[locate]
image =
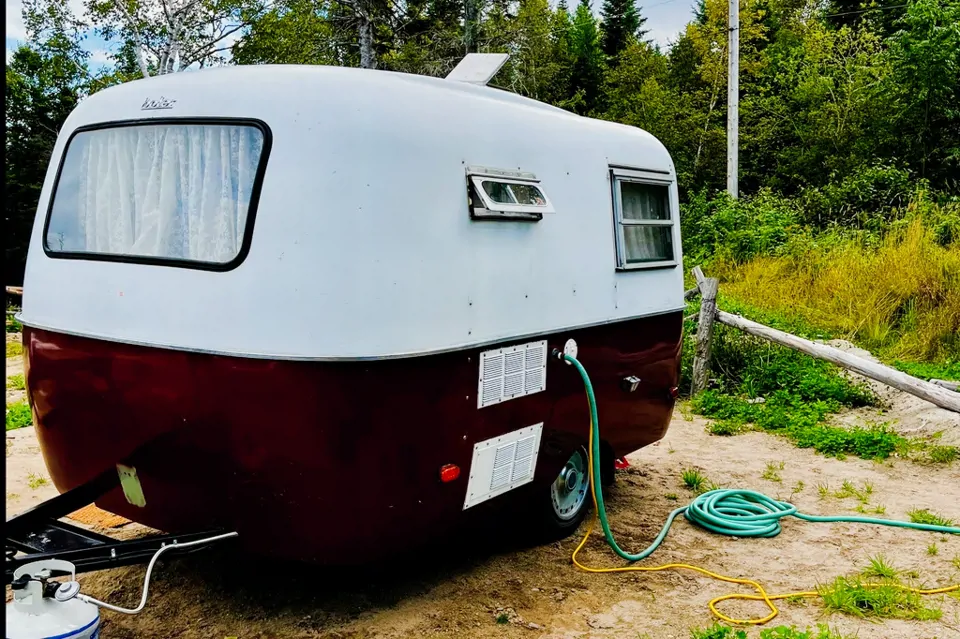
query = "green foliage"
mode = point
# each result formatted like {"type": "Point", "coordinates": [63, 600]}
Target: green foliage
{"type": "Point", "coordinates": [924, 516]}
{"type": "Point", "coordinates": [19, 415]}
{"type": "Point", "coordinates": [16, 382]}
{"type": "Point", "coordinates": [588, 61]}
{"type": "Point", "coordinates": [930, 370]}
{"type": "Point", "coordinates": [44, 83]}
{"type": "Point", "coordinates": [784, 632]}
{"type": "Point", "coordinates": [738, 229]}
{"type": "Point", "coordinates": [717, 631]}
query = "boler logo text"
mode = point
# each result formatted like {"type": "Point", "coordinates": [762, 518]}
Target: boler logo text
{"type": "Point", "coordinates": [157, 104]}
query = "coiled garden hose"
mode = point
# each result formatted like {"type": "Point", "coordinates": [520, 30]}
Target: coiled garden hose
{"type": "Point", "coordinates": [740, 513]}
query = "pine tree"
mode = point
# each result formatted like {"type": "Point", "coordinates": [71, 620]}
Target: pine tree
{"type": "Point", "coordinates": [621, 25]}
{"type": "Point", "coordinates": [588, 59]}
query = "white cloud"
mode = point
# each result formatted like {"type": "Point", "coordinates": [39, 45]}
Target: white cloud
{"type": "Point", "coordinates": [100, 56]}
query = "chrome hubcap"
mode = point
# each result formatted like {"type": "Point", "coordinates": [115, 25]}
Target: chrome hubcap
{"type": "Point", "coordinates": [569, 491]}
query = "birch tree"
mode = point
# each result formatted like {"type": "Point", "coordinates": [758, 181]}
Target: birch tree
{"type": "Point", "coordinates": [166, 36]}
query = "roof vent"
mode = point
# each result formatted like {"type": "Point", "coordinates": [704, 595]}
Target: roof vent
{"type": "Point", "coordinates": [478, 68]}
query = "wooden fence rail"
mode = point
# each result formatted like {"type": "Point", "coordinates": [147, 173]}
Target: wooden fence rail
{"type": "Point", "coordinates": [939, 393]}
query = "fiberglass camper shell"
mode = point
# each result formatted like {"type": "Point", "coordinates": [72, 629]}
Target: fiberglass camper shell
{"type": "Point", "coordinates": [277, 293]}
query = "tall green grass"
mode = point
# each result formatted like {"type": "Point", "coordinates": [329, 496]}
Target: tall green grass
{"type": "Point", "coordinates": [898, 295]}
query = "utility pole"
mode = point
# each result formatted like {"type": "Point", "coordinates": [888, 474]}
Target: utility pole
{"type": "Point", "coordinates": [733, 97]}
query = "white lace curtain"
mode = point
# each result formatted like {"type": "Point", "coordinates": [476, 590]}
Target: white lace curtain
{"type": "Point", "coordinates": [173, 191]}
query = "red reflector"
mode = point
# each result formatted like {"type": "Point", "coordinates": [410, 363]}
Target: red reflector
{"type": "Point", "coordinates": [621, 463]}
{"type": "Point", "coordinates": [449, 472]}
{"type": "Point", "coordinates": [675, 392]}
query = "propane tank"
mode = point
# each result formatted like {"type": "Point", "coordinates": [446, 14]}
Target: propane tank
{"type": "Point", "coordinates": [43, 609]}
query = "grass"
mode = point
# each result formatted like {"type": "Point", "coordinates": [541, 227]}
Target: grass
{"type": "Point", "coordinates": [14, 349]}
{"type": "Point", "coordinates": [694, 480]}
{"type": "Point", "coordinates": [35, 481]}
{"type": "Point", "coordinates": [780, 632]}
{"type": "Point", "coordinates": [19, 415]}
{"type": "Point", "coordinates": [924, 516]}
{"type": "Point", "coordinates": [16, 382]}
{"type": "Point", "coordinates": [879, 568]}
{"type": "Point", "coordinates": [848, 489]}
{"type": "Point", "coordinates": [798, 487]}
{"type": "Point", "coordinates": [772, 472]}
{"type": "Point", "coordinates": [930, 370]}
{"type": "Point", "coordinates": [956, 562]}
{"type": "Point", "coordinates": [932, 549]}
{"type": "Point", "coordinates": [672, 496]}
{"type": "Point", "coordinates": [898, 295]}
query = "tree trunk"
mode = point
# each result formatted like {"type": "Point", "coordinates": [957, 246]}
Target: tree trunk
{"type": "Point", "coordinates": [368, 59]}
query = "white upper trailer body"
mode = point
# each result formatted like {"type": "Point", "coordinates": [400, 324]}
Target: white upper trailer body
{"type": "Point", "coordinates": [345, 214]}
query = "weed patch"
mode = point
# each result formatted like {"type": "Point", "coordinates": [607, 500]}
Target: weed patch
{"type": "Point", "coordinates": [19, 415]}
{"type": "Point", "coordinates": [772, 472]}
{"type": "Point", "coordinates": [724, 428]}
{"type": "Point", "coordinates": [694, 480]}
{"type": "Point", "coordinates": [16, 382]}
{"type": "Point", "coordinates": [780, 632]}
{"type": "Point", "coordinates": [35, 481]}
{"type": "Point", "coordinates": [924, 516]}
{"type": "Point", "coordinates": [864, 598]}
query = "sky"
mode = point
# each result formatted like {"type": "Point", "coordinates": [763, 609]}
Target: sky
{"type": "Point", "coordinates": [665, 20]}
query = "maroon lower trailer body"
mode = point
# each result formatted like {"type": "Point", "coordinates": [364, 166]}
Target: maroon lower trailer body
{"type": "Point", "coordinates": [337, 460]}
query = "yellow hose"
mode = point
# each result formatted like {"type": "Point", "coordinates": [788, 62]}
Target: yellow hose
{"type": "Point", "coordinates": [761, 595]}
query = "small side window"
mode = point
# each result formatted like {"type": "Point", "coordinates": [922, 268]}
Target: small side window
{"type": "Point", "coordinates": [644, 223]}
{"type": "Point", "coordinates": [505, 195]}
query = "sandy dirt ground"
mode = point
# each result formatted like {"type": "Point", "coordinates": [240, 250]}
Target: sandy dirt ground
{"type": "Point", "coordinates": [536, 590]}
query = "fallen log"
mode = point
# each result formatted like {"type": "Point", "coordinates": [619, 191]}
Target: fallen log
{"type": "Point", "coordinates": [901, 381]}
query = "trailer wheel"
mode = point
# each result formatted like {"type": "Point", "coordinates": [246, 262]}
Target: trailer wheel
{"type": "Point", "coordinates": [569, 495]}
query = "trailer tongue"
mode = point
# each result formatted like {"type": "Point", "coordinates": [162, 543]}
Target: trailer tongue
{"type": "Point", "coordinates": [40, 534]}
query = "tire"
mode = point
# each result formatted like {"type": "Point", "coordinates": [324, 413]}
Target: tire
{"type": "Point", "coordinates": [567, 498]}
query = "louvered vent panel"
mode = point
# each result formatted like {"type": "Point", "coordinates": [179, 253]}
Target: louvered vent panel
{"type": "Point", "coordinates": [512, 372]}
{"type": "Point", "coordinates": [503, 463]}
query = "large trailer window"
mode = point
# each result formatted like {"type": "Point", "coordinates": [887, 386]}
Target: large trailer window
{"type": "Point", "coordinates": [169, 192]}
{"type": "Point", "coordinates": [644, 223]}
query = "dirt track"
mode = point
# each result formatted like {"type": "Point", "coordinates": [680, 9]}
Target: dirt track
{"type": "Point", "coordinates": [537, 591]}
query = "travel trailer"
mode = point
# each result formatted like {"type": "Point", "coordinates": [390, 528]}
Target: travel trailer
{"type": "Point", "coordinates": [266, 297]}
